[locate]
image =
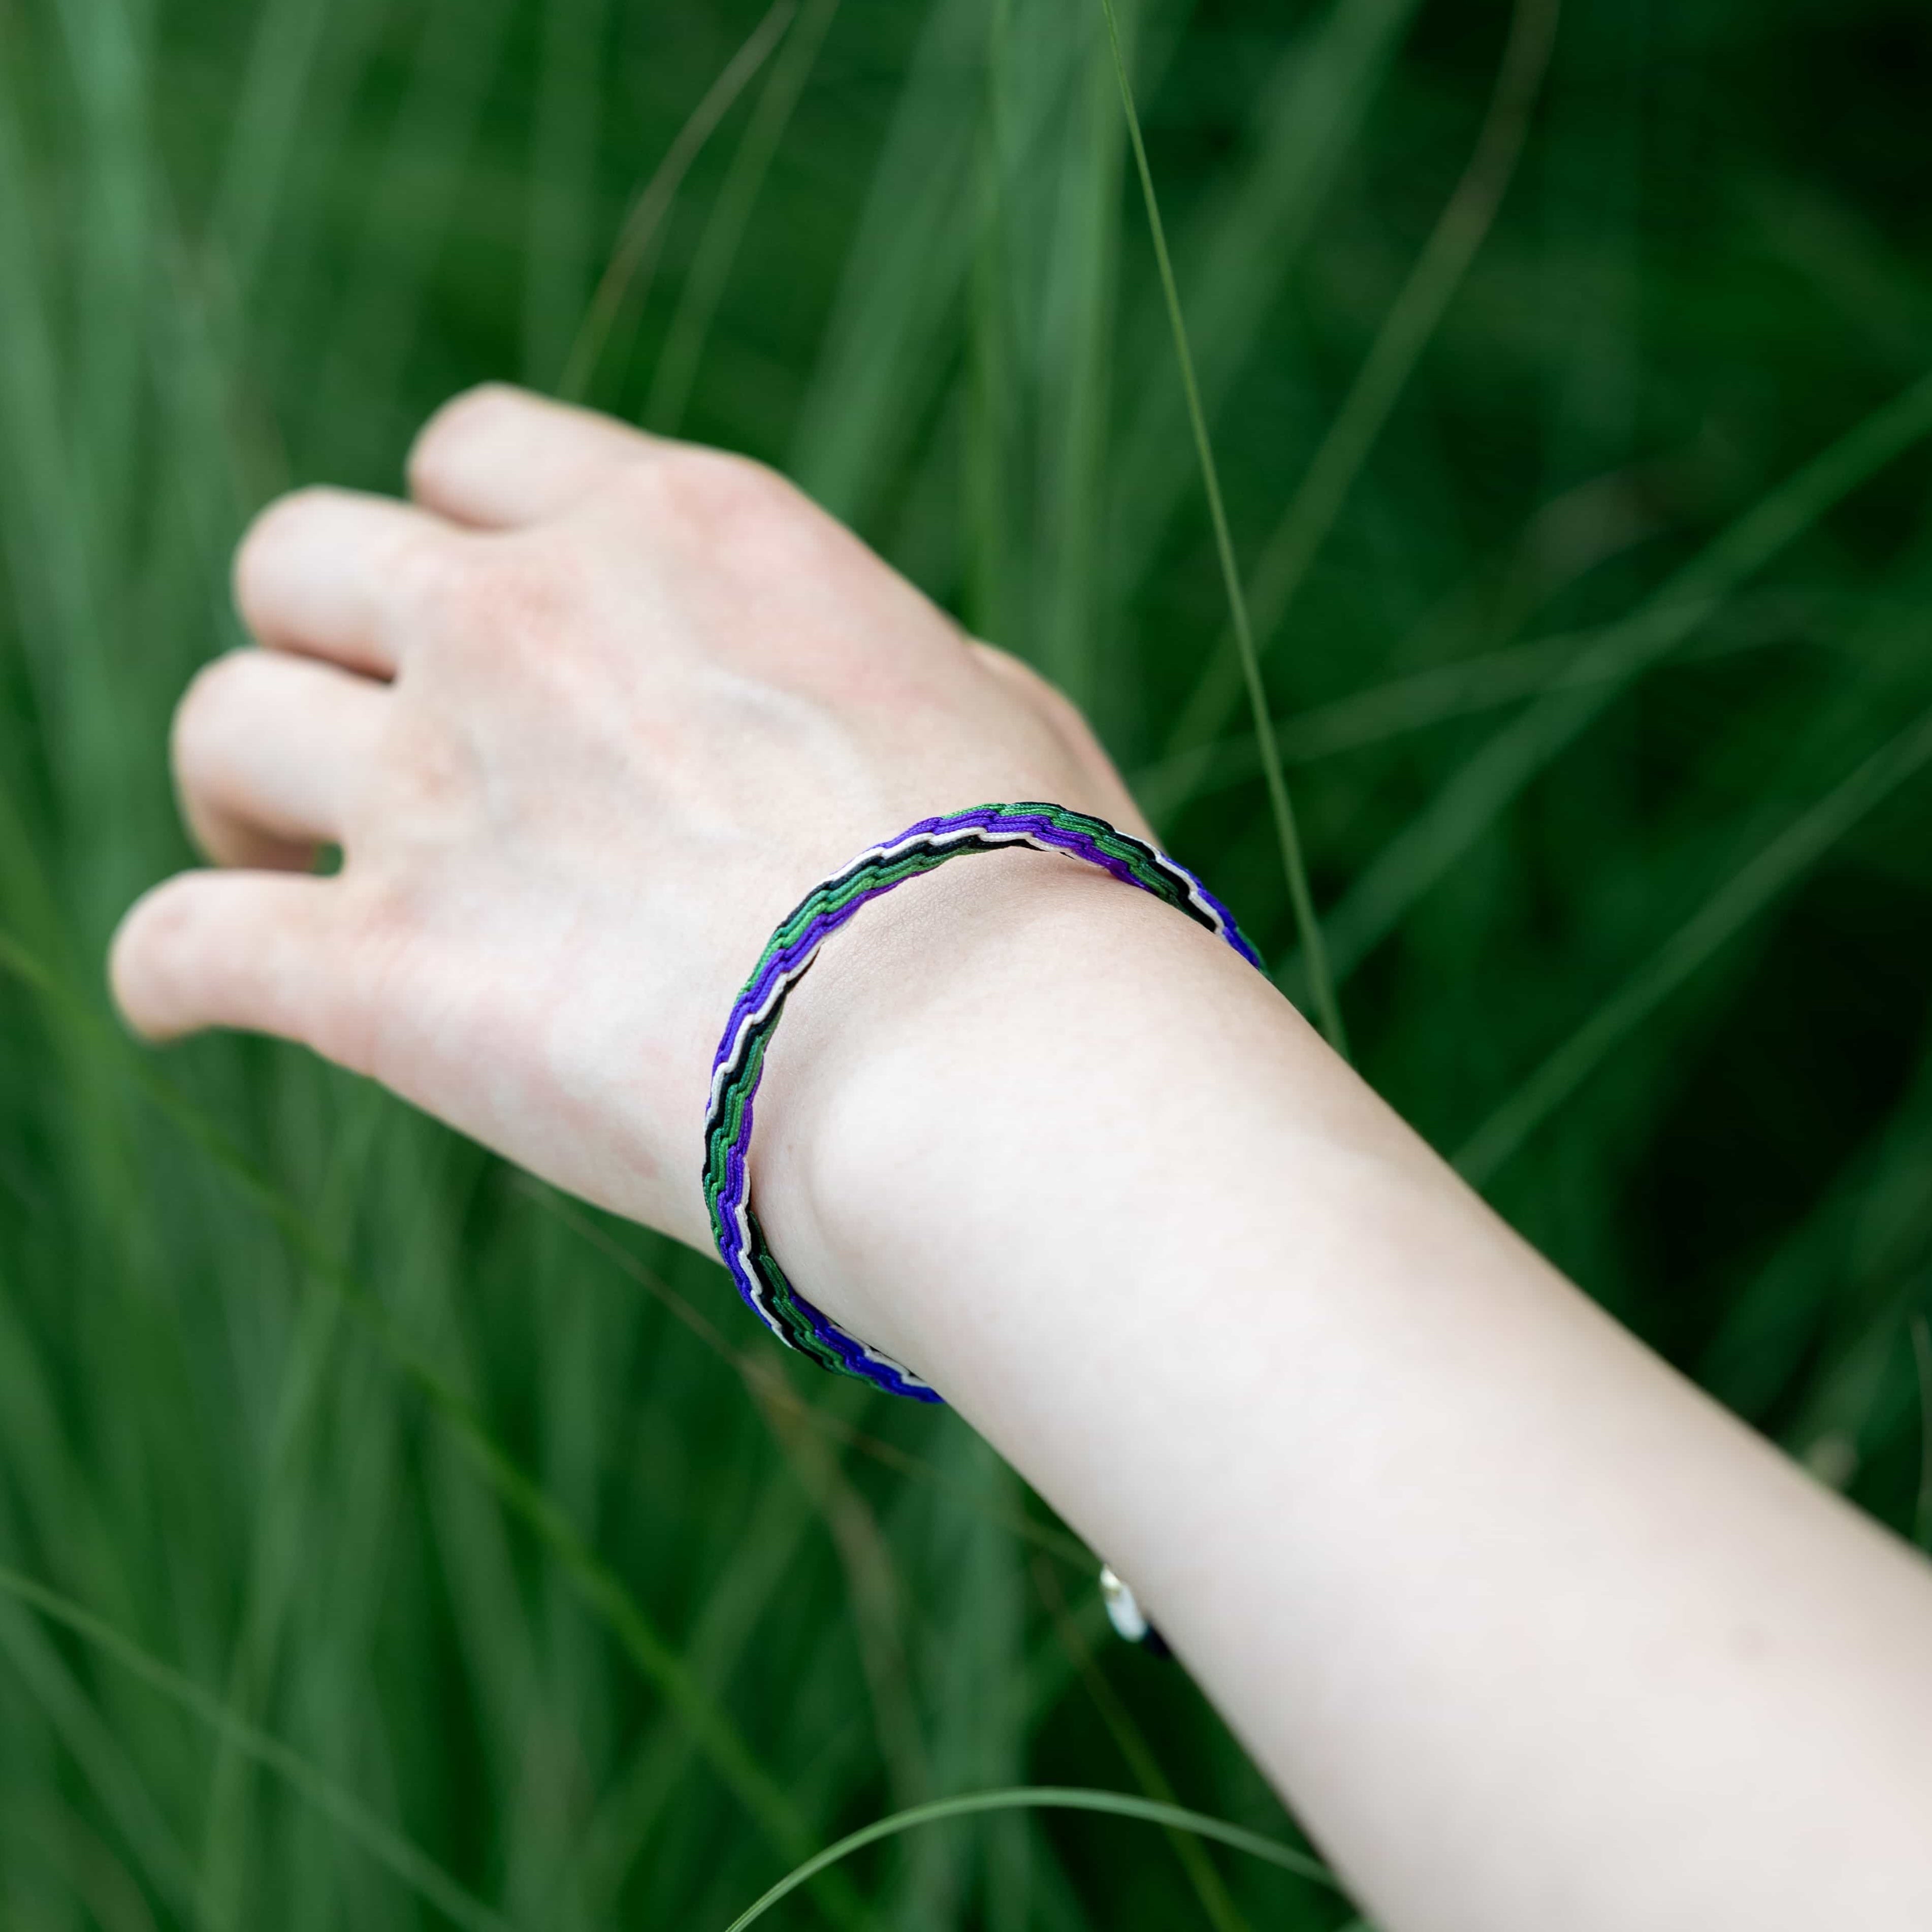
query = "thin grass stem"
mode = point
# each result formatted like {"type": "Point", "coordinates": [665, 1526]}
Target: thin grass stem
{"type": "Point", "coordinates": [1320, 985]}
{"type": "Point", "coordinates": [1406, 331]}
{"type": "Point", "coordinates": [387, 1847]}
{"type": "Point", "coordinates": [1216, 1903]}
{"type": "Point", "coordinates": [724, 229]}
{"type": "Point", "coordinates": [1042, 1798]}
{"type": "Point", "coordinates": [100, 1753]}
{"type": "Point", "coordinates": [1741, 899]}
{"type": "Point", "coordinates": [1478, 792]}
{"type": "Point", "coordinates": [627, 276]}
{"type": "Point", "coordinates": [1382, 713]}
{"type": "Point", "coordinates": [599, 1586]}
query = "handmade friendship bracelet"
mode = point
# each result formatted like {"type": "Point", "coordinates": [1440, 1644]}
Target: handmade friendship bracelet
{"type": "Point", "coordinates": [754, 1018]}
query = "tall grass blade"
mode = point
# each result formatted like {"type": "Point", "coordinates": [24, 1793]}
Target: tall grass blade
{"type": "Point", "coordinates": [294, 115]}
{"type": "Point", "coordinates": [1405, 332]}
{"type": "Point", "coordinates": [1836, 1273]}
{"type": "Point", "coordinates": [1321, 985]}
{"type": "Point", "coordinates": [875, 1595]}
{"type": "Point", "coordinates": [598, 1586]}
{"type": "Point", "coordinates": [1079, 305]}
{"type": "Point", "coordinates": [1309, 119]}
{"type": "Point", "coordinates": [991, 593]}
{"type": "Point", "coordinates": [50, 515]}
{"type": "Point", "coordinates": [724, 230]}
{"type": "Point", "coordinates": [415, 1869]}
{"type": "Point", "coordinates": [414, 197]}
{"type": "Point", "coordinates": [267, 131]}
{"type": "Point", "coordinates": [108, 50]}
{"type": "Point", "coordinates": [561, 191]}
{"type": "Point", "coordinates": [882, 357]}
{"type": "Point", "coordinates": [101, 1758]}
{"type": "Point", "coordinates": [1380, 714]}
{"type": "Point", "coordinates": [627, 277]}
{"type": "Point", "coordinates": [635, 1802]}
{"type": "Point", "coordinates": [1478, 793]}
{"type": "Point", "coordinates": [1738, 901]}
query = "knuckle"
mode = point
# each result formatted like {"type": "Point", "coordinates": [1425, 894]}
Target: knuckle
{"type": "Point", "coordinates": [1025, 682]}
{"type": "Point", "coordinates": [419, 572]}
{"type": "Point", "coordinates": [735, 489]}
{"type": "Point", "coordinates": [728, 509]}
{"type": "Point", "coordinates": [471, 414]}
{"type": "Point", "coordinates": [1063, 714]}
{"type": "Point", "coordinates": [499, 598]}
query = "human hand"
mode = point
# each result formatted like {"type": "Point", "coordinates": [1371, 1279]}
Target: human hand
{"type": "Point", "coordinates": [586, 719]}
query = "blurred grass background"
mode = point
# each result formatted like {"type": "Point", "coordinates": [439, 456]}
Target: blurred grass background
{"type": "Point", "coordinates": [1565, 413]}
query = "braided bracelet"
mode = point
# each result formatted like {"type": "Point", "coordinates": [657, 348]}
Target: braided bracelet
{"type": "Point", "coordinates": [754, 1018]}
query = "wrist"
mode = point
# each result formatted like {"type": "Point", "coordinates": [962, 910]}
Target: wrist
{"type": "Point", "coordinates": [959, 1094]}
{"type": "Point", "coordinates": [970, 965]}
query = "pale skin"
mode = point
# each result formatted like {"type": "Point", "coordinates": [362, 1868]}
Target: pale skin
{"type": "Point", "coordinates": [1531, 1634]}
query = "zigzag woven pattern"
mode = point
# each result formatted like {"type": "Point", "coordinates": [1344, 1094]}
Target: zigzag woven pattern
{"type": "Point", "coordinates": [754, 1018]}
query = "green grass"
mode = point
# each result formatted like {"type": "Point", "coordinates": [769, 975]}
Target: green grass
{"type": "Point", "coordinates": [384, 1541]}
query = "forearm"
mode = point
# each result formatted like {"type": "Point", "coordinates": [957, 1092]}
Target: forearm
{"type": "Point", "coordinates": [1531, 1631]}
